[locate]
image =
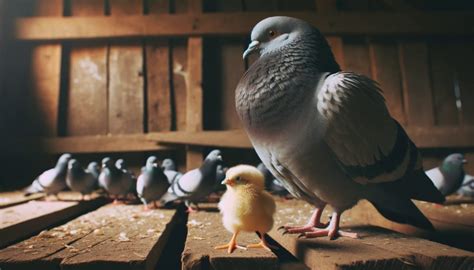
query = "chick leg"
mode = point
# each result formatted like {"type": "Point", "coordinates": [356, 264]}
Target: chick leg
{"type": "Point", "coordinates": [332, 230]}
{"type": "Point", "coordinates": [314, 221]}
{"type": "Point", "coordinates": [232, 245]}
{"type": "Point", "coordinates": [262, 244]}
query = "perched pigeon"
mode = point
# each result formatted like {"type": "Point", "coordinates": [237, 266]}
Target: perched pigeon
{"type": "Point", "coordinates": [80, 180]}
{"type": "Point", "coordinates": [51, 181]}
{"type": "Point", "coordinates": [271, 183]}
{"type": "Point", "coordinates": [327, 134]}
{"type": "Point", "coordinates": [169, 169]}
{"type": "Point", "coordinates": [448, 177]}
{"type": "Point", "coordinates": [152, 182]}
{"type": "Point", "coordinates": [467, 187]}
{"type": "Point", "coordinates": [115, 181]}
{"type": "Point", "coordinates": [94, 168]}
{"type": "Point", "coordinates": [197, 183]}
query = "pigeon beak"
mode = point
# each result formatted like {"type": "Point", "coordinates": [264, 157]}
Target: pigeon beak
{"type": "Point", "coordinates": [227, 181]}
{"type": "Point", "coordinates": [253, 46]}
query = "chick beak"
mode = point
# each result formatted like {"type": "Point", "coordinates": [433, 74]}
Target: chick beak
{"type": "Point", "coordinates": [228, 181]}
{"type": "Point", "coordinates": [464, 161]}
{"type": "Point", "coordinates": [253, 47]}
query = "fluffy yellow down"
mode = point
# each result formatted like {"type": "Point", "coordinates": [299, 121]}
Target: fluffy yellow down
{"type": "Point", "coordinates": [246, 206]}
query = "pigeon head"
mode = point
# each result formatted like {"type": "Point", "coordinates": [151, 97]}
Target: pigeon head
{"type": "Point", "coordinates": [168, 165]}
{"type": "Point", "coordinates": [93, 166]}
{"type": "Point", "coordinates": [73, 164]}
{"type": "Point", "coordinates": [64, 158]}
{"type": "Point", "coordinates": [152, 162]}
{"type": "Point", "coordinates": [215, 156]}
{"type": "Point", "coordinates": [453, 164]}
{"type": "Point", "coordinates": [273, 33]}
{"type": "Point", "coordinates": [244, 176]}
{"type": "Point", "coordinates": [107, 162]}
{"type": "Point", "coordinates": [120, 163]}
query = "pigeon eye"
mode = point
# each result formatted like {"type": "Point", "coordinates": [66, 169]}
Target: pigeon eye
{"type": "Point", "coordinates": [271, 33]}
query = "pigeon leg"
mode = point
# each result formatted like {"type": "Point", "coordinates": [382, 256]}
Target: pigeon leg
{"type": "Point", "coordinates": [191, 209]}
{"type": "Point", "coordinates": [262, 244]}
{"type": "Point", "coordinates": [232, 245]}
{"type": "Point", "coordinates": [332, 230]}
{"type": "Point", "coordinates": [314, 222]}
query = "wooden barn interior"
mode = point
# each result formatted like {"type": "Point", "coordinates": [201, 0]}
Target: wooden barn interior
{"type": "Point", "coordinates": [133, 78]}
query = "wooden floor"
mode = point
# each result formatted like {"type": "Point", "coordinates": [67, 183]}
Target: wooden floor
{"type": "Point", "coordinates": [36, 233]}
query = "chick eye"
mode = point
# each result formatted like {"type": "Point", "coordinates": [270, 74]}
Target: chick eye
{"type": "Point", "coordinates": [238, 179]}
{"type": "Point", "coordinates": [271, 33]}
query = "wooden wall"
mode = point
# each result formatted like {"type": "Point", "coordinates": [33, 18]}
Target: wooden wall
{"type": "Point", "coordinates": [148, 76]}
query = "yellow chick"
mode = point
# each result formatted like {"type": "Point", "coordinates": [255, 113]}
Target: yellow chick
{"type": "Point", "coordinates": [246, 206]}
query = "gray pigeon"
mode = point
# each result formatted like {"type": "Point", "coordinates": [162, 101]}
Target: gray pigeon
{"type": "Point", "coordinates": [80, 180]}
{"type": "Point", "coordinates": [115, 181]}
{"type": "Point", "coordinates": [51, 181]}
{"type": "Point", "coordinates": [271, 183]}
{"type": "Point", "coordinates": [326, 134]}
{"type": "Point", "coordinates": [448, 177]}
{"type": "Point", "coordinates": [169, 169]}
{"type": "Point", "coordinates": [467, 187]}
{"type": "Point", "coordinates": [152, 182]}
{"type": "Point", "coordinates": [94, 168]}
{"type": "Point", "coordinates": [197, 183]}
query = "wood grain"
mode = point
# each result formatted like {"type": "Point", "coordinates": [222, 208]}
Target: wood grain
{"type": "Point", "coordinates": [356, 57]}
{"type": "Point", "coordinates": [385, 69]}
{"type": "Point", "coordinates": [126, 83]}
{"type": "Point", "coordinates": [238, 23]}
{"type": "Point", "coordinates": [117, 236]}
{"type": "Point", "coordinates": [463, 56]}
{"type": "Point", "coordinates": [46, 76]}
{"type": "Point", "coordinates": [11, 198]}
{"type": "Point", "coordinates": [87, 97]}
{"type": "Point", "coordinates": [416, 83]}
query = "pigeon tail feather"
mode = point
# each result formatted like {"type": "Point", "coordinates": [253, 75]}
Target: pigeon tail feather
{"type": "Point", "coordinates": [406, 213]}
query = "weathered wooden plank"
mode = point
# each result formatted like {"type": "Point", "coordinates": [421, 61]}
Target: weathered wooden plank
{"type": "Point", "coordinates": [385, 69]}
{"type": "Point", "coordinates": [416, 83]}
{"type": "Point", "coordinates": [356, 57]}
{"type": "Point", "coordinates": [46, 76]}
{"type": "Point", "coordinates": [337, 48]}
{"type": "Point", "coordinates": [87, 97]}
{"type": "Point", "coordinates": [11, 198]}
{"type": "Point", "coordinates": [341, 23]}
{"type": "Point", "coordinates": [464, 55]}
{"type": "Point", "coordinates": [443, 72]}
{"type": "Point", "coordinates": [199, 252]}
{"type": "Point", "coordinates": [376, 249]}
{"type": "Point", "coordinates": [117, 236]}
{"type": "Point", "coordinates": [126, 84]}
{"type": "Point", "coordinates": [158, 65]}
{"type": "Point", "coordinates": [26, 219]}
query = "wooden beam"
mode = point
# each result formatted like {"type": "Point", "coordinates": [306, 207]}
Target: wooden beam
{"type": "Point", "coordinates": [11, 198]}
{"type": "Point", "coordinates": [26, 219]}
{"type": "Point", "coordinates": [240, 23]}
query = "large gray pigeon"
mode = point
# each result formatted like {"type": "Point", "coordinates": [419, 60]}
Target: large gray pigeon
{"type": "Point", "coordinates": [327, 134]}
{"type": "Point", "coordinates": [51, 181]}
{"type": "Point", "coordinates": [448, 177]}
{"type": "Point", "coordinates": [116, 182]}
{"type": "Point", "coordinates": [197, 183]}
{"type": "Point", "coordinates": [152, 182]}
{"type": "Point", "coordinates": [80, 180]}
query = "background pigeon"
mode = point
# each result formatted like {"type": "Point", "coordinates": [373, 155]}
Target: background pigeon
{"type": "Point", "coordinates": [169, 169]}
{"type": "Point", "coordinates": [448, 177]}
{"type": "Point", "coordinates": [327, 134]}
{"type": "Point", "coordinates": [168, 165]}
{"type": "Point", "coordinates": [467, 187]}
{"type": "Point", "coordinates": [197, 183]}
{"type": "Point", "coordinates": [80, 180]}
{"type": "Point", "coordinates": [51, 181]}
{"type": "Point", "coordinates": [271, 183]}
{"type": "Point", "coordinates": [115, 181]}
{"type": "Point", "coordinates": [152, 182]}
{"type": "Point", "coordinates": [94, 168]}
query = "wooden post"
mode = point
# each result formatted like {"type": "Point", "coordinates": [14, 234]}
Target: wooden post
{"type": "Point", "coordinates": [194, 103]}
{"type": "Point", "coordinates": [329, 6]}
{"type": "Point", "coordinates": [46, 76]}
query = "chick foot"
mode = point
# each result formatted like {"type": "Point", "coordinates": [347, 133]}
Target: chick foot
{"type": "Point", "coordinates": [332, 230]}
{"type": "Point", "coordinates": [232, 245]}
{"type": "Point", "coordinates": [262, 244]}
{"type": "Point", "coordinates": [314, 222]}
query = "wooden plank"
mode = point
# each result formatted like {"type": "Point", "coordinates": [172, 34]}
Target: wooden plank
{"type": "Point", "coordinates": [46, 76]}
{"type": "Point", "coordinates": [325, 6]}
{"type": "Point", "coordinates": [463, 55]}
{"type": "Point", "coordinates": [117, 236]}
{"type": "Point", "coordinates": [12, 198]}
{"type": "Point", "coordinates": [337, 48]}
{"type": "Point", "coordinates": [356, 57]}
{"type": "Point", "coordinates": [126, 83]}
{"type": "Point", "coordinates": [385, 69]}
{"type": "Point", "coordinates": [376, 249]}
{"type": "Point", "coordinates": [26, 219]}
{"type": "Point", "coordinates": [87, 97]}
{"type": "Point", "coordinates": [416, 83]}
{"type": "Point", "coordinates": [443, 72]}
{"type": "Point", "coordinates": [158, 64]}
{"type": "Point", "coordinates": [239, 23]}
{"type": "Point", "coordinates": [199, 252]}
{"type": "Point", "coordinates": [180, 75]}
